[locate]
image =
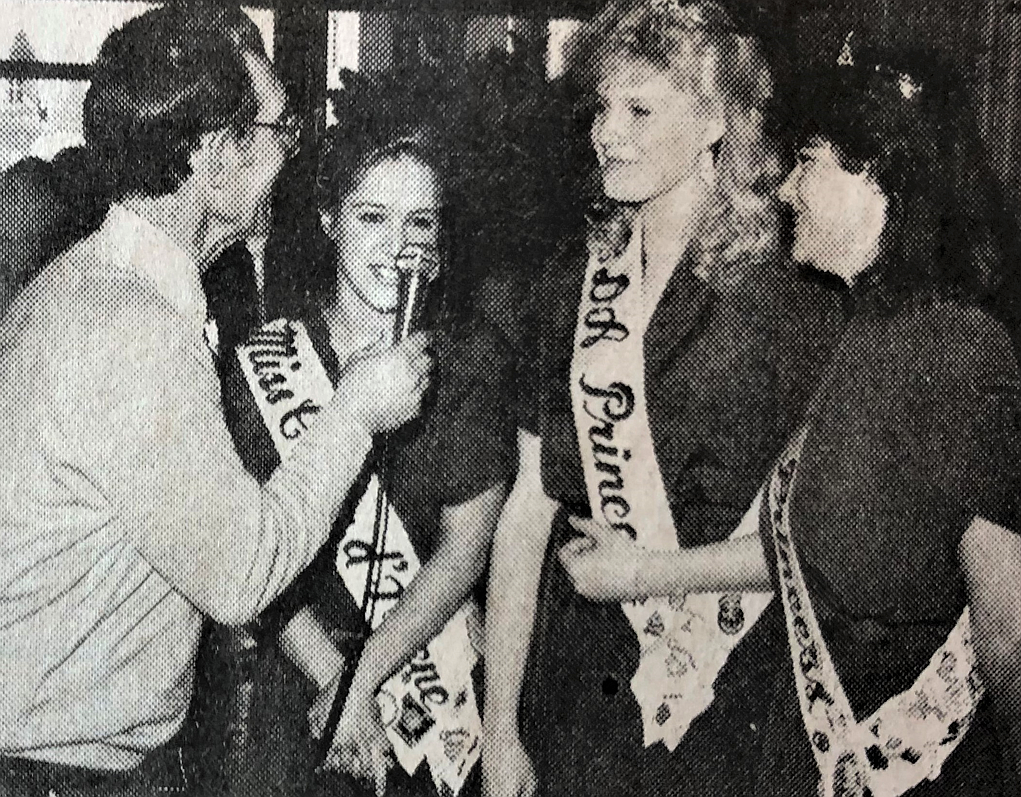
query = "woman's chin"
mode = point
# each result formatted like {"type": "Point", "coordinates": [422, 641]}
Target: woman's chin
{"type": "Point", "coordinates": [384, 305]}
{"type": "Point", "coordinates": [624, 191]}
{"type": "Point", "coordinates": [378, 298]}
{"type": "Point", "coordinates": [818, 264]}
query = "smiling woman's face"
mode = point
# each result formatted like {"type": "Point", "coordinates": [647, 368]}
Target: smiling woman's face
{"type": "Point", "coordinates": [648, 132]}
{"type": "Point", "coordinates": [839, 215]}
{"type": "Point", "coordinates": [396, 203]}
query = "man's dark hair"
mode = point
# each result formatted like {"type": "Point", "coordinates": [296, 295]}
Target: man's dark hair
{"type": "Point", "coordinates": [161, 82]}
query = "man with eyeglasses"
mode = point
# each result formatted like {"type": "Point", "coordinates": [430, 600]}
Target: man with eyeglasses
{"type": "Point", "coordinates": [126, 516]}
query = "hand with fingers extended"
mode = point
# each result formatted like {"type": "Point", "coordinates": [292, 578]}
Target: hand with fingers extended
{"type": "Point", "coordinates": [360, 747]}
{"type": "Point", "coordinates": [384, 385]}
{"type": "Point", "coordinates": [604, 564]}
{"type": "Point", "coordinates": [506, 768]}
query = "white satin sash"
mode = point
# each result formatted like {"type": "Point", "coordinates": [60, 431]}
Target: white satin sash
{"type": "Point", "coordinates": [684, 642]}
{"type": "Point", "coordinates": [429, 708]}
{"type": "Point", "coordinates": [909, 737]}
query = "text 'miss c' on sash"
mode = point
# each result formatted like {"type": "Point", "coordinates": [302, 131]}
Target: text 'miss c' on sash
{"type": "Point", "coordinates": [429, 707]}
{"type": "Point", "coordinates": [684, 643]}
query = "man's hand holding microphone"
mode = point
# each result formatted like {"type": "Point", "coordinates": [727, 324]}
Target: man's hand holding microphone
{"type": "Point", "coordinates": [383, 385]}
{"type": "Point", "coordinates": [386, 383]}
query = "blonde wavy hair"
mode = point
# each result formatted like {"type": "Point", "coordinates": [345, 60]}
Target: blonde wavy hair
{"type": "Point", "coordinates": [699, 45]}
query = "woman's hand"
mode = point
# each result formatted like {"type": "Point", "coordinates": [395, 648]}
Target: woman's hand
{"type": "Point", "coordinates": [605, 564]}
{"type": "Point", "coordinates": [360, 747]}
{"type": "Point", "coordinates": [506, 768]}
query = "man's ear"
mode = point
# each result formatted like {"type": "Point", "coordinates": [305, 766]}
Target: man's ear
{"type": "Point", "coordinates": [215, 166]}
{"type": "Point", "coordinates": [214, 158]}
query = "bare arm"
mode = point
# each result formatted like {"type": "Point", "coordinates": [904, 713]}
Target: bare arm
{"type": "Point", "coordinates": [432, 598]}
{"type": "Point", "coordinates": [737, 564]}
{"type": "Point", "coordinates": [606, 565]}
{"type": "Point", "coordinates": [435, 594]}
{"type": "Point", "coordinates": [991, 558]}
{"type": "Point", "coordinates": [518, 551]}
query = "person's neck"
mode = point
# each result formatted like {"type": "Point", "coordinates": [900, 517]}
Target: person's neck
{"type": "Point", "coordinates": [668, 220]}
{"type": "Point", "coordinates": [353, 323]}
{"type": "Point", "coordinates": [187, 222]}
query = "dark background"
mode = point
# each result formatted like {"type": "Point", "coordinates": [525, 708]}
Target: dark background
{"type": "Point", "coordinates": [522, 139]}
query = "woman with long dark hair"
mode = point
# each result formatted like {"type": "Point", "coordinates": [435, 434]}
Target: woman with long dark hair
{"type": "Point", "coordinates": [384, 199]}
{"type": "Point", "coordinates": [893, 510]}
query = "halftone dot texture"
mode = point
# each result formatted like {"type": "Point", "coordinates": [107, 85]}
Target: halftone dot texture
{"type": "Point", "coordinates": [115, 424]}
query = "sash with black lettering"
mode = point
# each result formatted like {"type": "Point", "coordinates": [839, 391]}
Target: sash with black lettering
{"type": "Point", "coordinates": [909, 737]}
{"type": "Point", "coordinates": [684, 643]}
{"type": "Point", "coordinates": [429, 708]}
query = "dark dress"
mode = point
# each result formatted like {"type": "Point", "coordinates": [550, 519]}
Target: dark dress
{"type": "Point", "coordinates": [463, 444]}
{"type": "Point", "coordinates": [914, 432]}
{"type": "Point", "coordinates": [728, 372]}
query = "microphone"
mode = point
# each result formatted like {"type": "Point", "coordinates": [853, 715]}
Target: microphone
{"type": "Point", "coordinates": [416, 265]}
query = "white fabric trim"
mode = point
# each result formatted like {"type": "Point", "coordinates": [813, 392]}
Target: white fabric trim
{"type": "Point", "coordinates": [909, 737]}
{"type": "Point", "coordinates": [684, 643]}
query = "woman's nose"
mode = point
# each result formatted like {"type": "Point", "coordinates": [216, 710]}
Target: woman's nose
{"type": "Point", "coordinates": [393, 242]}
{"type": "Point", "coordinates": [787, 192]}
{"type": "Point", "coordinates": [607, 129]}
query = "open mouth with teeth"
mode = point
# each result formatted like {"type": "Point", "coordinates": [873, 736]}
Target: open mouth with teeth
{"type": "Point", "coordinates": [616, 162]}
{"type": "Point", "coordinates": [387, 275]}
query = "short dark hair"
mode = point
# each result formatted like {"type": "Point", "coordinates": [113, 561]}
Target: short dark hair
{"type": "Point", "coordinates": [161, 82]}
{"type": "Point", "coordinates": [908, 119]}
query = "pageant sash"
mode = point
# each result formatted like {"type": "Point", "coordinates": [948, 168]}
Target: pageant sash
{"type": "Point", "coordinates": [685, 642]}
{"type": "Point", "coordinates": [428, 707]}
{"type": "Point", "coordinates": [909, 737]}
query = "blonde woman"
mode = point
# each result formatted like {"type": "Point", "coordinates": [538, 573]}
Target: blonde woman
{"type": "Point", "coordinates": [675, 348]}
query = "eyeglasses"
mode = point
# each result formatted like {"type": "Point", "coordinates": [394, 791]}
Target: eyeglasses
{"type": "Point", "coordinates": [286, 130]}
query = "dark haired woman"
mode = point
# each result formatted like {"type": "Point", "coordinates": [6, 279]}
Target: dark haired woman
{"type": "Point", "coordinates": [674, 354]}
{"type": "Point", "coordinates": [895, 507]}
{"type": "Point", "coordinates": [382, 195]}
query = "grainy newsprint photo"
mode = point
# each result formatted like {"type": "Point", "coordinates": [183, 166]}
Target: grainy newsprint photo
{"type": "Point", "coordinates": [510, 398]}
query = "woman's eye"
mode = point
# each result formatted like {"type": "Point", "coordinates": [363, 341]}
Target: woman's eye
{"type": "Point", "coordinates": [424, 224]}
{"type": "Point", "coordinates": [371, 217]}
{"type": "Point", "coordinates": [641, 111]}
